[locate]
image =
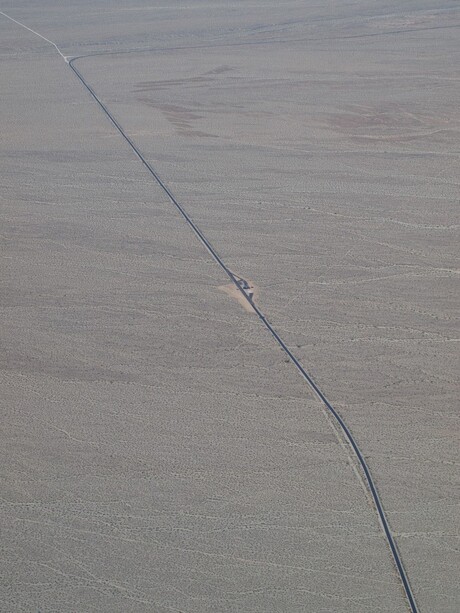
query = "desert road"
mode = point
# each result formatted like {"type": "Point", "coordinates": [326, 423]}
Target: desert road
{"type": "Point", "coordinates": [241, 286]}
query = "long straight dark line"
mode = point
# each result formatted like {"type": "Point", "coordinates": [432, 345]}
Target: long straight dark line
{"type": "Point", "coordinates": [313, 386]}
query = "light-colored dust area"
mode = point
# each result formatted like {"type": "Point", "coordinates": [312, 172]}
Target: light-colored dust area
{"type": "Point", "coordinates": [232, 291]}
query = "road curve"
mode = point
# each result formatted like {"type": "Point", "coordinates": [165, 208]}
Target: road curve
{"type": "Point", "coordinates": [240, 285]}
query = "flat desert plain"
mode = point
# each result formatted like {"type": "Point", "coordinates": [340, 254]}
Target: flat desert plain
{"type": "Point", "coordinates": [160, 452]}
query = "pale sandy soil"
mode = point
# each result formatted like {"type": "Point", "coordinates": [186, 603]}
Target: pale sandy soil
{"type": "Point", "coordinates": [231, 290]}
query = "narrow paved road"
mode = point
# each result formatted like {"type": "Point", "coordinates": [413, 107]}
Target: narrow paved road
{"type": "Point", "coordinates": [313, 386]}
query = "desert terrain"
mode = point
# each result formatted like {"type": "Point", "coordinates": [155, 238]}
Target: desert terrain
{"type": "Point", "coordinates": [159, 450]}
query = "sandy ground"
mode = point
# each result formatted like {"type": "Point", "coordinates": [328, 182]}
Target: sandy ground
{"type": "Point", "coordinates": [158, 452]}
{"type": "Point", "coordinates": [231, 290]}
